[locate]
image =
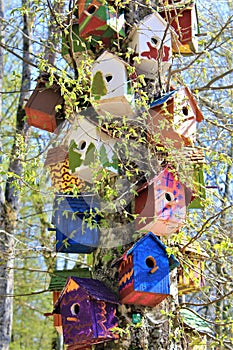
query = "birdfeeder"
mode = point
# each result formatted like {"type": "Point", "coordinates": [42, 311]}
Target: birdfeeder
{"type": "Point", "coordinates": [57, 282]}
{"type": "Point", "coordinates": [191, 269]}
{"type": "Point", "coordinates": [161, 204]}
{"type": "Point", "coordinates": [88, 311]}
{"type": "Point", "coordinates": [41, 108]}
{"type": "Point", "coordinates": [111, 90]}
{"type": "Point", "coordinates": [182, 16]}
{"type": "Point", "coordinates": [90, 150]}
{"type": "Point", "coordinates": [76, 223]}
{"type": "Point", "coordinates": [151, 42]}
{"type": "Point", "coordinates": [180, 109]}
{"type": "Point", "coordinates": [100, 20]}
{"type": "Point", "coordinates": [58, 163]}
{"type": "Point", "coordinates": [144, 272]}
{"type": "Point", "coordinates": [74, 48]}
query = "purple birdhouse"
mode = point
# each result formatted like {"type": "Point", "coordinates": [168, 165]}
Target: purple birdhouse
{"type": "Point", "coordinates": [161, 204]}
{"type": "Point", "coordinates": [144, 272]}
{"type": "Point", "coordinates": [88, 311]}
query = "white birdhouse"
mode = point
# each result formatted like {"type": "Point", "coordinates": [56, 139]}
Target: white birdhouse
{"type": "Point", "coordinates": [111, 88]}
{"type": "Point", "coordinates": [90, 150]}
{"type": "Point", "coordinates": [151, 41]}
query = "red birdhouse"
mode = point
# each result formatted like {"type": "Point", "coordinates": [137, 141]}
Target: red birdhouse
{"type": "Point", "coordinates": [174, 116]}
{"type": "Point", "coordinates": [41, 107]}
{"type": "Point", "coordinates": [161, 204]}
{"type": "Point", "coordinates": [182, 16]}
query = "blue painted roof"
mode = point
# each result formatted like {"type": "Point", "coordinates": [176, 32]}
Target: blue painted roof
{"type": "Point", "coordinates": [173, 262]}
{"type": "Point", "coordinates": [163, 99]}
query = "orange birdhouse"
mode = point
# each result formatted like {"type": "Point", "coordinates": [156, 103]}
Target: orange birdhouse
{"type": "Point", "coordinates": [174, 117]}
{"type": "Point", "coordinates": [41, 108]}
{"type": "Point", "coordinates": [182, 16]}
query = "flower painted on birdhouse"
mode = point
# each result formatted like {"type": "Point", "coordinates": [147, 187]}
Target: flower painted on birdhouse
{"type": "Point", "coordinates": [111, 89]}
{"type": "Point", "coordinates": [151, 42]}
{"type": "Point", "coordinates": [42, 107]}
{"type": "Point", "coordinates": [182, 16]}
{"type": "Point", "coordinates": [88, 311]}
{"type": "Point", "coordinates": [90, 150]}
{"type": "Point", "coordinates": [101, 21]}
{"type": "Point", "coordinates": [58, 162]}
{"type": "Point", "coordinates": [191, 270]}
{"type": "Point", "coordinates": [144, 272]}
{"type": "Point", "coordinates": [161, 204]}
{"type": "Point", "coordinates": [179, 109]}
{"type": "Point", "coordinates": [74, 48]}
{"type": "Point", "coordinates": [76, 223]}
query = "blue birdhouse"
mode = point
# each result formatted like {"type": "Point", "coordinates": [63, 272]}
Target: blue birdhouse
{"type": "Point", "coordinates": [76, 223]}
{"type": "Point", "coordinates": [144, 272]}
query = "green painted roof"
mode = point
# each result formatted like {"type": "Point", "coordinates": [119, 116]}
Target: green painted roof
{"type": "Point", "coordinates": [59, 277]}
{"type": "Point", "coordinates": [195, 322]}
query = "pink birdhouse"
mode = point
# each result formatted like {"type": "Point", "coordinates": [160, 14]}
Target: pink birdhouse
{"type": "Point", "coordinates": [179, 108]}
{"type": "Point", "coordinates": [182, 16]}
{"type": "Point", "coordinates": [161, 204]}
{"type": "Point", "coordinates": [41, 109]}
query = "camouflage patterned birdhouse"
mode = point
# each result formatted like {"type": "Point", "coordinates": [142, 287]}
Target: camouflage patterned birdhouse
{"type": "Point", "coordinates": [144, 272]}
{"type": "Point", "coordinates": [41, 108]}
{"type": "Point", "coordinates": [182, 16]}
{"type": "Point", "coordinates": [58, 163]}
{"type": "Point", "coordinates": [111, 90]}
{"type": "Point", "coordinates": [191, 270]}
{"type": "Point", "coordinates": [90, 150]}
{"type": "Point", "coordinates": [88, 311]}
{"type": "Point", "coordinates": [100, 20]}
{"type": "Point", "coordinates": [57, 282]}
{"type": "Point", "coordinates": [179, 109]}
{"type": "Point", "coordinates": [151, 42]}
{"type": "Point", "coordinates": [76, 223]}
{"type": "Point", "coordinates": [161, 204]}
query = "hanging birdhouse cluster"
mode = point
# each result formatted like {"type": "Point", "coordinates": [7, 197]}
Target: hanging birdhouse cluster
{"type": "Point", "coordinates": [84, 308]}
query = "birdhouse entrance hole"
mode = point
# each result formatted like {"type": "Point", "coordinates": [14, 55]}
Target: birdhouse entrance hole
{"type": "Point", "coordinates": [151, 263]}
{"type": "Point", "coordinates": [91, 9]}
{"type": "Point", "coordinates": [82, 145]}
{"type": "Point", "coordinates": [75, 309]}
{"type": "Point", "coordinates": [169, 196]}
{"type": "Point", "coordinates": [185, 111]}
{"type": "Point", "coordinates": [108, 77]}
{"type": "Point", "coordinates": [155, 41]}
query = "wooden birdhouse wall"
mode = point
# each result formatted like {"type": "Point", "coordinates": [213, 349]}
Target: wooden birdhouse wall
{"type": "Point", "coordinates": [88, 145]}
{"type": "Point", "coordinates": [161, 205]}
{"type": "Point", "coordinates": [58, 163]}
{"type": "Point", "coordinates": [149, 41]}
{"type": "Point", "coordinates": [57, 320]}
{"type": "Point", "coordinates": [111, 89]}
{"type": "Point", "coordinates": [144, 273]}
{"type": "Point", "coordinates": [41, 106]}
{"type": "Point", "coordinates": [73, 234]}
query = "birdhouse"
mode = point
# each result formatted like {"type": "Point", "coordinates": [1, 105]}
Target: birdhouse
{"type": "Point", "coordinates": [41, 108]}
{"type": "Point", "coordinates": [111, 90]}
{"type": "Point", "coordinates": [182, 16]}
{"type": "Point", "coordinates": [144, 272]}
{"type": "Point", "coordinates": [76, 223]}
{"type": "Point", "coordinates": [57, 282]}
{"type": "Point", "coordinates": [88, 311]}
{"type": "Point", "coordinates": [90, 150]}
{"type": "Point", "coordinates": [180, 109]}
{"type": "Point", "coordinates": [191, 269]}
{"type": "Point", "coordinates": [100, 20]}
{"type": "Point", "coordinates": [74, 48]}
{"type": "Point", "coordinates": [161, 204]}
{"type": "Point", "coordinates": [151, 42]}
{"type": "Point", "coordinates": [58, 163]}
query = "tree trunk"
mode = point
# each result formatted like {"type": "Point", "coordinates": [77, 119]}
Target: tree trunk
{"type": "Point", "coordinates": [10, 205]}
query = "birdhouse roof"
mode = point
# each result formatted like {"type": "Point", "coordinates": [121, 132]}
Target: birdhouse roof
{"type": "Point", "coordinates": [171, 94]}
{"type": "Point", "coordinates": [173, 6]}
{"type": "Point", "coordinates": [173, 262]}
{"type": "Point", "coordinates": [94, 289]}
{"type": "Point", "coordinates": [106, 55]}
{"type": "Point", "coordinates": [59, 277]}
{"type": "Point", "coordinates": [147, 18]}
{"type": "Point", "coordinates": [56, 155]}
{"type": "Point", "coordinates": [195, 322]}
